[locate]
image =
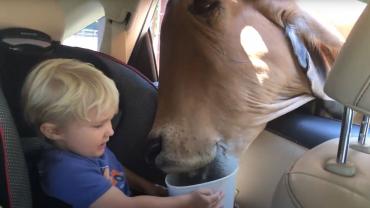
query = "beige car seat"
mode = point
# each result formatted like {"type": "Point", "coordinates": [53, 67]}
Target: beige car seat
{"type": "Point", "coordinates": [337, 172]}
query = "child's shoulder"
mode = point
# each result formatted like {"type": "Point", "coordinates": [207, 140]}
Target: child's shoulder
{"type": "Point", "coordinates": [57, 160]}
{"type": "Point", "coordinates": [58, 155]}
{"type": "Point", "coordinates": [66, 175]}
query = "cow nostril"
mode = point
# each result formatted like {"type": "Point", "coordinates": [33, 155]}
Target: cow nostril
{"type": "Point", "coordinates": [154, 147]}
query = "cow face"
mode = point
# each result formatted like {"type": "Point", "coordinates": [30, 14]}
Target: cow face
{"type": "Point", "coordinates": [226, 69]}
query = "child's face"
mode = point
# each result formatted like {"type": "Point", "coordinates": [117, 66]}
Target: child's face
{"type": "Point", "coordinates": [87, 138]}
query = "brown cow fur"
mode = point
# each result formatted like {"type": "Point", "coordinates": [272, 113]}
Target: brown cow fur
{"type": "Point", "coordinates": [226, 69]}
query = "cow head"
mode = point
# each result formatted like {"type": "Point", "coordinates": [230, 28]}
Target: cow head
{"type": "Point", "coordinates": [226, 69]}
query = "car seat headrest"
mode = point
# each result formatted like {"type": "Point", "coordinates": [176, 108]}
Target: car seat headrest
{"type": "Point", "coordinates": [25, 40]}
{"type": "Point", "coordinates": [349, 80]}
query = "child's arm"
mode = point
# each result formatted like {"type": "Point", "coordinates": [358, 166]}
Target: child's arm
{"type": "Point", "coordinates": [142, 185]}
{"type": "Point", "coordinates": [114, 198]}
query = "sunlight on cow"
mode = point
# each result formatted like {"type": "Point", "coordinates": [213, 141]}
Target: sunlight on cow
{"type": "Point", "coordinates": [227, 67]}
{"type": "Point", "coordinates": [256, 49]}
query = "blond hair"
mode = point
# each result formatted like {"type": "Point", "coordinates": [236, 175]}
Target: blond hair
{"type": "Point", "coordinates": [59, 90]}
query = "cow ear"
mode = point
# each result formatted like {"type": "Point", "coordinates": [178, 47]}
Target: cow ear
{"type": "Point", "coordinates": [314, 56]}
{"type": "Point", "coordinates": [321, 46]}
{"type": "Point", "coordinates": [208, 9]}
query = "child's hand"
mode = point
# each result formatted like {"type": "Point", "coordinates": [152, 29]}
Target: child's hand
{"type": "Point", "coordinates": [206, 198]}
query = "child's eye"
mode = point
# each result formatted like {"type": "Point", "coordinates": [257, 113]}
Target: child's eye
{"type": "Point", "coordinates": [98, 126]}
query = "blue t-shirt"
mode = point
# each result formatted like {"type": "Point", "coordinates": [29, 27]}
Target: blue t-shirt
{"type": "Point", "coordinates": [77, 180]}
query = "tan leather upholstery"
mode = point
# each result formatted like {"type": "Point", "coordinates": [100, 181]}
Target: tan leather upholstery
{"type": "Point", "coordinates": [349, 80]}
{"type": "Point", "coordinates": [261, 167]}
{"type": "Point", "coordinates": [307, 184]}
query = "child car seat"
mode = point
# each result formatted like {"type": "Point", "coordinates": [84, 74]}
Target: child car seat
{"type": "Point", "coordinates": [20, 50]}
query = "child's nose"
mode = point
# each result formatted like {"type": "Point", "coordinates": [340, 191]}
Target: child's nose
{"type": "Point", "coordinates": [110, 130]}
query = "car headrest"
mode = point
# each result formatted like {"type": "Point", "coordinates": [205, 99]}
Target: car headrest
{"type": "Point", "coordinates": [24, 40]}
{"type": "Point", "coordinates": [47, 16]}
{"type": "Point", "coordinates": [349, 80]}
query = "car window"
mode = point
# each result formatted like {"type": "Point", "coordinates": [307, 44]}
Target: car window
{"type": "Point", "coordinates": [89, 37]}
{"type": "Point", "coordinates": [155, 28]}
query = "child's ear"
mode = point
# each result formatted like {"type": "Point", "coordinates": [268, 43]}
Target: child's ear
{"type": "Point", "coordinates": [50, 131]}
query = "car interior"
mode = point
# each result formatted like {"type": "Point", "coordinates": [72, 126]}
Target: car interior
{"type": "Point", "coordinates": [293, 163]}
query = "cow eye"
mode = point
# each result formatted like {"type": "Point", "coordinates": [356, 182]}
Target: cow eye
{"type": "Point", "coordinates": [205, 8]}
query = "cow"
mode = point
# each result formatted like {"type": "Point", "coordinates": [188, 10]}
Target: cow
{"type": "Point", "coordinates": [227, 67]}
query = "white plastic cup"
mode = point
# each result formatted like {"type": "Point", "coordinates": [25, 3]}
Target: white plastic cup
{"type": "Point", "coordinates": [225, 184]}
